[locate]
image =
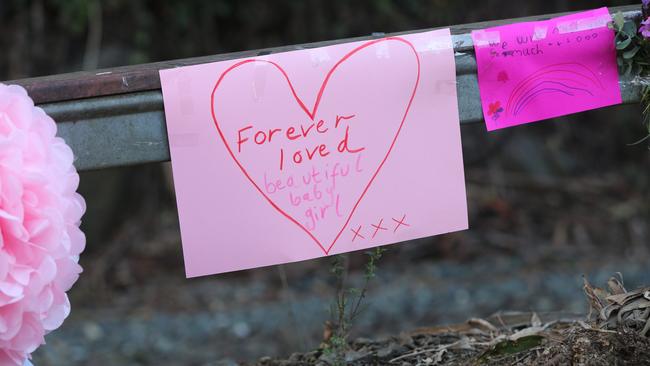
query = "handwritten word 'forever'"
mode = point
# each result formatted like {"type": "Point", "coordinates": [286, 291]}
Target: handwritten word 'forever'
{"type": "Point", "coordinates": [296, 133]}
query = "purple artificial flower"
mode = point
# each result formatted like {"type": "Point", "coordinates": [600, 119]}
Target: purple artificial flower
{"type": "Point", "coordinates": [645, 27]}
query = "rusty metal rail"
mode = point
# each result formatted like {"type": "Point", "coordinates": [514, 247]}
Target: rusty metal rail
{"type": "Point", "coordinates": [115, 117]}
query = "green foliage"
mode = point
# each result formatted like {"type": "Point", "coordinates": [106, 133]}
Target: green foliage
{"type": "Point", "coordinates": [348, 303]}
{"type": "Point", "coordinates": [73, 14]}
{"type": "Point", "coordinates": [633, 58]}
{"type": "Point", "coordinates": [510, 347]}
{"type": "Point", "coordinates": [633, 50]}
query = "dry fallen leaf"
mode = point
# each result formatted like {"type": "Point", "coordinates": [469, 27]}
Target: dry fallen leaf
{"type": "Point", "coordinates": [619, 307]}
{"type": "Point", "coordinates": [482, 324]}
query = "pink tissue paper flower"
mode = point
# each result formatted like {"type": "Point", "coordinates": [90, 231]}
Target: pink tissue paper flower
{"type": "Point", "coordinates": [40, 213]}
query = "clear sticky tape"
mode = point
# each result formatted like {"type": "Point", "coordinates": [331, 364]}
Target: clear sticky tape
{"type": "Point", "coordinates": [483, 38]}
{"type": "Point", "coordinates": [435, 44]}
{"type": "Point", "coordinates": [260, 73]}
{"type": "Point", "coordinates": [382, 50]}
{"type": "Point", "coordinates": [181, 82]}
{"type": "Point", "coordinates": [319, 56]}
{"type": "Point", "coordinates": [583, 24]}
{"type": "Point", "coordinates": [540, 32]}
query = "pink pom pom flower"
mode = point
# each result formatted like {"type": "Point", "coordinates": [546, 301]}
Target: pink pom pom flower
{"type": "Point", "coordinates": [40, 213]}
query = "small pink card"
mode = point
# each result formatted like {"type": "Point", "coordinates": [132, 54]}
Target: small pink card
{"type": "Point", "coordinates": [298, 155]}
{"type": "Point", "coordinates": [538, 70]}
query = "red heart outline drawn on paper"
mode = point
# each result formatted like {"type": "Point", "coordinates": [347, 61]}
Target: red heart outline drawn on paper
{"type": "Point", "coordinates": [311, 114]}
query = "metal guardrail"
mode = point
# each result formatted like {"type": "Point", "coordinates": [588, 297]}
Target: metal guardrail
{"type": "Point", "coordinates": [115, 117]}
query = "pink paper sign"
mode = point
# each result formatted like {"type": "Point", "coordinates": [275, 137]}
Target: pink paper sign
{"type": "Point", "coordinates": [537, 70]}
{"type": "Point", "coordinates": [302, 154]}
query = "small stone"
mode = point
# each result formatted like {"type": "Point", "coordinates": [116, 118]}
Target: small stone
{"type": "Point", "coordinates": [92, 331]}
{"type": "Point", "coordinates": [295, 357]}
{"type": "Point", "coordinates": [352, 356]}
{"type": "Point", "coordinates": [241, 329]}
{"type": "Point", "coordinates": [226, 362]}
{"type": "Point", "coordinates": [163, 345]}
{"type": "Point", "coordinates": [390, 350]}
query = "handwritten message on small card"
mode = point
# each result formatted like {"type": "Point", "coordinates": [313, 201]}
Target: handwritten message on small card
{"type": "Point", "coordinates": [537, 70]}
{"type": "Point", "coordinates": [297, 155]}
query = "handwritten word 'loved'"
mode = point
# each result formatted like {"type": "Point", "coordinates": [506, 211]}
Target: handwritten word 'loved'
{"type": "Point", "coordinates": [297, 133]}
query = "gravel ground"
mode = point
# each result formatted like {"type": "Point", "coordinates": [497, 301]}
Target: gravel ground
{"type": "Point", "coordinates": [235, 328]}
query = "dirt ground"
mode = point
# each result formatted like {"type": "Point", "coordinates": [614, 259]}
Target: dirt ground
{"type": "Point", "coordinates": [561, 342]}
{"type": "Point", "coordinates": [614, 332]}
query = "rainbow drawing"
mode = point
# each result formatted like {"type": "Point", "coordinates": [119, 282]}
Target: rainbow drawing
{"type": "Point", "coordinates": [569, 79]}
